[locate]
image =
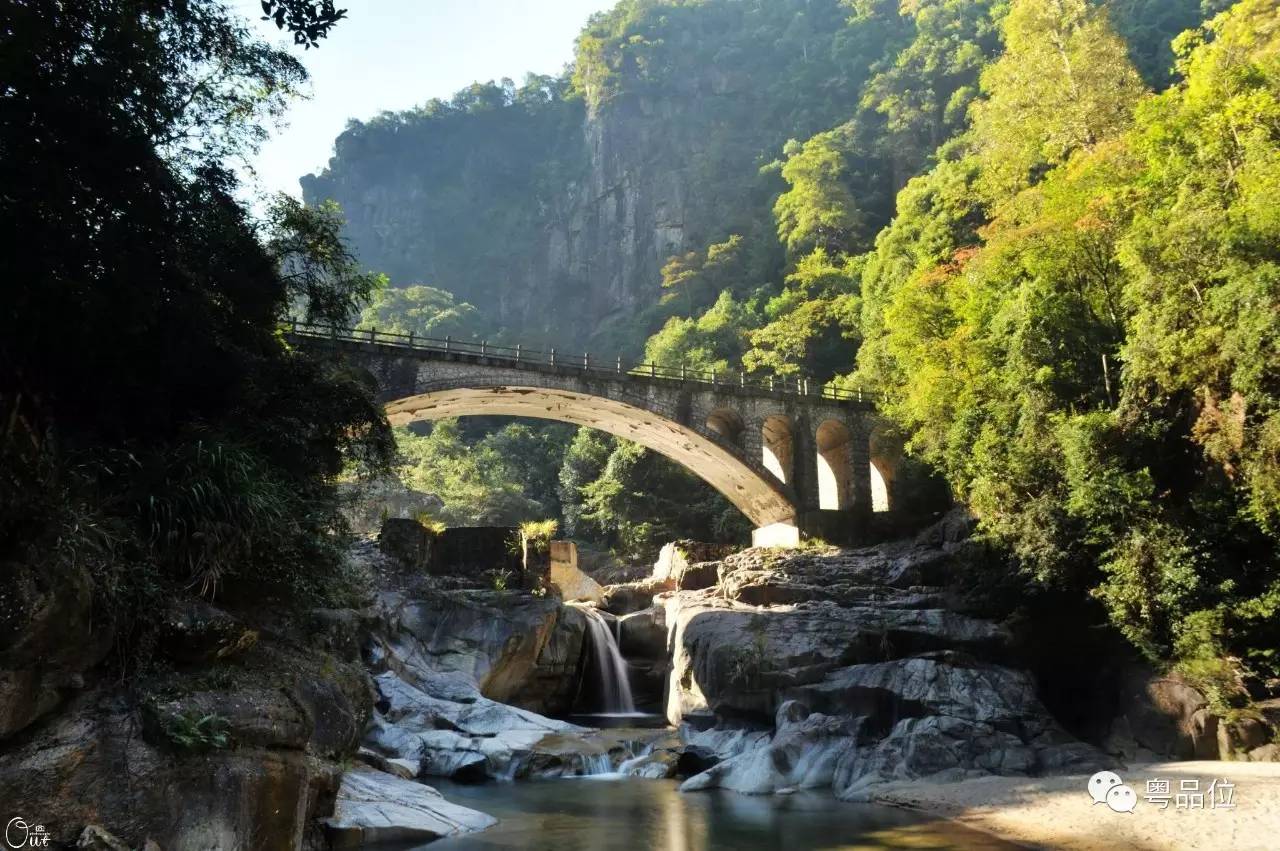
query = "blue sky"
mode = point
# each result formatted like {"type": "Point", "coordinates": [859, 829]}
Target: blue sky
{"type": "Point", "coordinates": [395, 54]}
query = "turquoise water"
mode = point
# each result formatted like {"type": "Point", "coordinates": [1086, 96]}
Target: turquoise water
{"type": "Point", "coordinates": [586, 814]}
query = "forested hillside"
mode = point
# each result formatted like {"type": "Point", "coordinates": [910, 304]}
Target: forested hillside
{"type": "Point", "coordinates": [1045, 228]}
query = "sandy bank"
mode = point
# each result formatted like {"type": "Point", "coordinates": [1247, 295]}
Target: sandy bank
{"type": "Point", "coordinates": [1057, 812]}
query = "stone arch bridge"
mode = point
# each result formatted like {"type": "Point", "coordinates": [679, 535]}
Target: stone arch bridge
{"type": "Point", "coordinates": [792, 457]}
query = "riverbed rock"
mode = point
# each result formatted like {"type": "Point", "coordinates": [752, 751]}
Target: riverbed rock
{"type": "Point", "coordinates": [95, 837]}
{"type": "Point", "coordinates": [238, 752]}
{"type": "Point", "coordinates": [863, 666]}
{"type": "Point", "coordinates": [89, 766]}
{"type": "Point", "coordinates": [803, 753]}
{"type": "Point", "coordinates": [695, 759]}
{"type": "Point", "coordinates": [470, 739]}
{"type": "Point", "coordinates": [265, 718]}
{"type": "Point", "coordinates": [678, 556]}
{"type": "Point", "coordinates": [736, 660]}
{"type": "Point", "coordinates": [643, 634]}
{"type": "Point", "coordinates": [1236, 739]}
{"type": "Point", "coordinates": [1162, 715]}
{"type": "Point", "coordinates": [193, 632]}
{"type": "Point", "coordinates": [629, 597]}
{"type": "Point", "coordinates": [373, 807]}
{"type": "Point", "coordinates": [514, 647]}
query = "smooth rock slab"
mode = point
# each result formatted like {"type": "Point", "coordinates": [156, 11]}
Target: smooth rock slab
{"type": "Point", "coordinates": [374, 807]}
{"type": "Point", "coordinates": [802, 754]}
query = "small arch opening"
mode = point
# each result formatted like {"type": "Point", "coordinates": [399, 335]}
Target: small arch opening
{"type": "Point", "coordinates": [777, 447]}
{"type": "Point", "coordinates": [727, 423]}
{"type": "Point", "coordinates": [879, 489]}
{"type": "Point", "coordinates": [835, 470]}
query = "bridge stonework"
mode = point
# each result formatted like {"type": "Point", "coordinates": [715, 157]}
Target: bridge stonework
{"type": "Point", "coordinates": [719, 431]}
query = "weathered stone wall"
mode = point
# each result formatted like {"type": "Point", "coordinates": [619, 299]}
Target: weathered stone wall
{"type": "Point", "coordinates": [456, 551]}
{"type": "Point", "coordinates": [470, 550]}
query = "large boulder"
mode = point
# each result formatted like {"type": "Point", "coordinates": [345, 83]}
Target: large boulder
{"type": "Point", "coordinates": [48, 640]}
{"type": "Point", "coordinates": [89, 766]}
{"type": "Point", "coordinates": [735, 660]}
{"type": "Point", "coordinates": [448, 731]}
{"type": "Point", "coordinates": [376, 808]}
{"type": "Point", "coordinates": [1162, 716]}
{"type": "Point", "coordinates": [242, 751]}
{"type": "Point", "coordinates": [803, 753]}
{"type": "Point", "coordinates": [451, 732]}
{"type": "Point", "coordinates": [678, 556]}
{"type": "Point", "coordinates": [643, 635]}
{"type": "Point", "coordinates": [516, 647]}
{"type": "Point", "coordinates": [628, 597]}
{"type": "Point", "coordinates": [194, 632]}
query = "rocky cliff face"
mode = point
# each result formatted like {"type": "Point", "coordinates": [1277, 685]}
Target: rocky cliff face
{"type": "Point", "coordinates": [233, 740]}
{"type": "Point", "coordinates": [574, 243]}
{"type": "Point", "coordinates": [552, 207]}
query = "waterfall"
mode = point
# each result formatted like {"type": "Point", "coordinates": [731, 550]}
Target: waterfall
{"type": "Point", "coordinates": [609, 664]}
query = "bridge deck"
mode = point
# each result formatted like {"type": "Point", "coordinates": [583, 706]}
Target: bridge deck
{"type": "Point", "coordinates": [792, 387]}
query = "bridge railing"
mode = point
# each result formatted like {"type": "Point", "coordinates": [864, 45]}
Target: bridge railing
{"type": "Point", "coordinates": [584, 361]}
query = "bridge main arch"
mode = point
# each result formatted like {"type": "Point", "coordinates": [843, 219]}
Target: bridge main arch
{"type": "Point", "coordinates": [756, 442]}
{"type": "Point", "coordinates": [710, 457]}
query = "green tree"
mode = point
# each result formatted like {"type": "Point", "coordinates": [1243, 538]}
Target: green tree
{"type": "Point", "coordinates": [924, 93]}
{"type": "Point", "coordinates": [812, 323]}
{"type": "Point", "coordinates": [640, 501]}
{"type": "Point", "coordinates": [1063, 83]}
{"type": "Point", "coordinates": [1205, 288]}
{"type": "Point", "coordinates": [1150, 26]}
{"type": "Point", "coordinates": [144, 293]}
{"type": "Point", "coordinates": [698, 276]}
{"type": "Point", "coordinates": [420, 310]}
{"type": "Point", "coordinates": [475, 481]}
{"type": "Point", "coordinates": [1092, 366]}
{"type": "Point", "coordinates": [713, 342]}
{"type": "Point", "coordinates": [584, 461]}
{"type": "Point", "coordinates": [819, 209]}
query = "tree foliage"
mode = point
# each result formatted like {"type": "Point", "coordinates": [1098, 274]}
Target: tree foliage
{"type": "Point", "coordinates": [1076, 317]}
{"type": "Point", "coordinates": [308, 21]}
{"type": "Point", "coordinates": [1063, 83]}
{"type": "Point", "coordinates": [419, 310]}
{"type": "Point", "coordinates": [158, 432]}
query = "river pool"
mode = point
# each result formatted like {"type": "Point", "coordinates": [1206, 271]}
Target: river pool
{"type": "Point", "coordinates": [587, 814]}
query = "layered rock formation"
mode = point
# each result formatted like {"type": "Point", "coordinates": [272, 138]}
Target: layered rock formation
{"type": "Point", "coordinates": [844, 669]}
{"type": "Point", "coordinates": [238, 744]}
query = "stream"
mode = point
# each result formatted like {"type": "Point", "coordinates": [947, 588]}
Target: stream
{"type": "Point", "coordinates": [587, 814]}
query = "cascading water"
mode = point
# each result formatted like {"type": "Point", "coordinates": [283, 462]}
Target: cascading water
{"type": "Point", "coordinates": [611, 667]}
